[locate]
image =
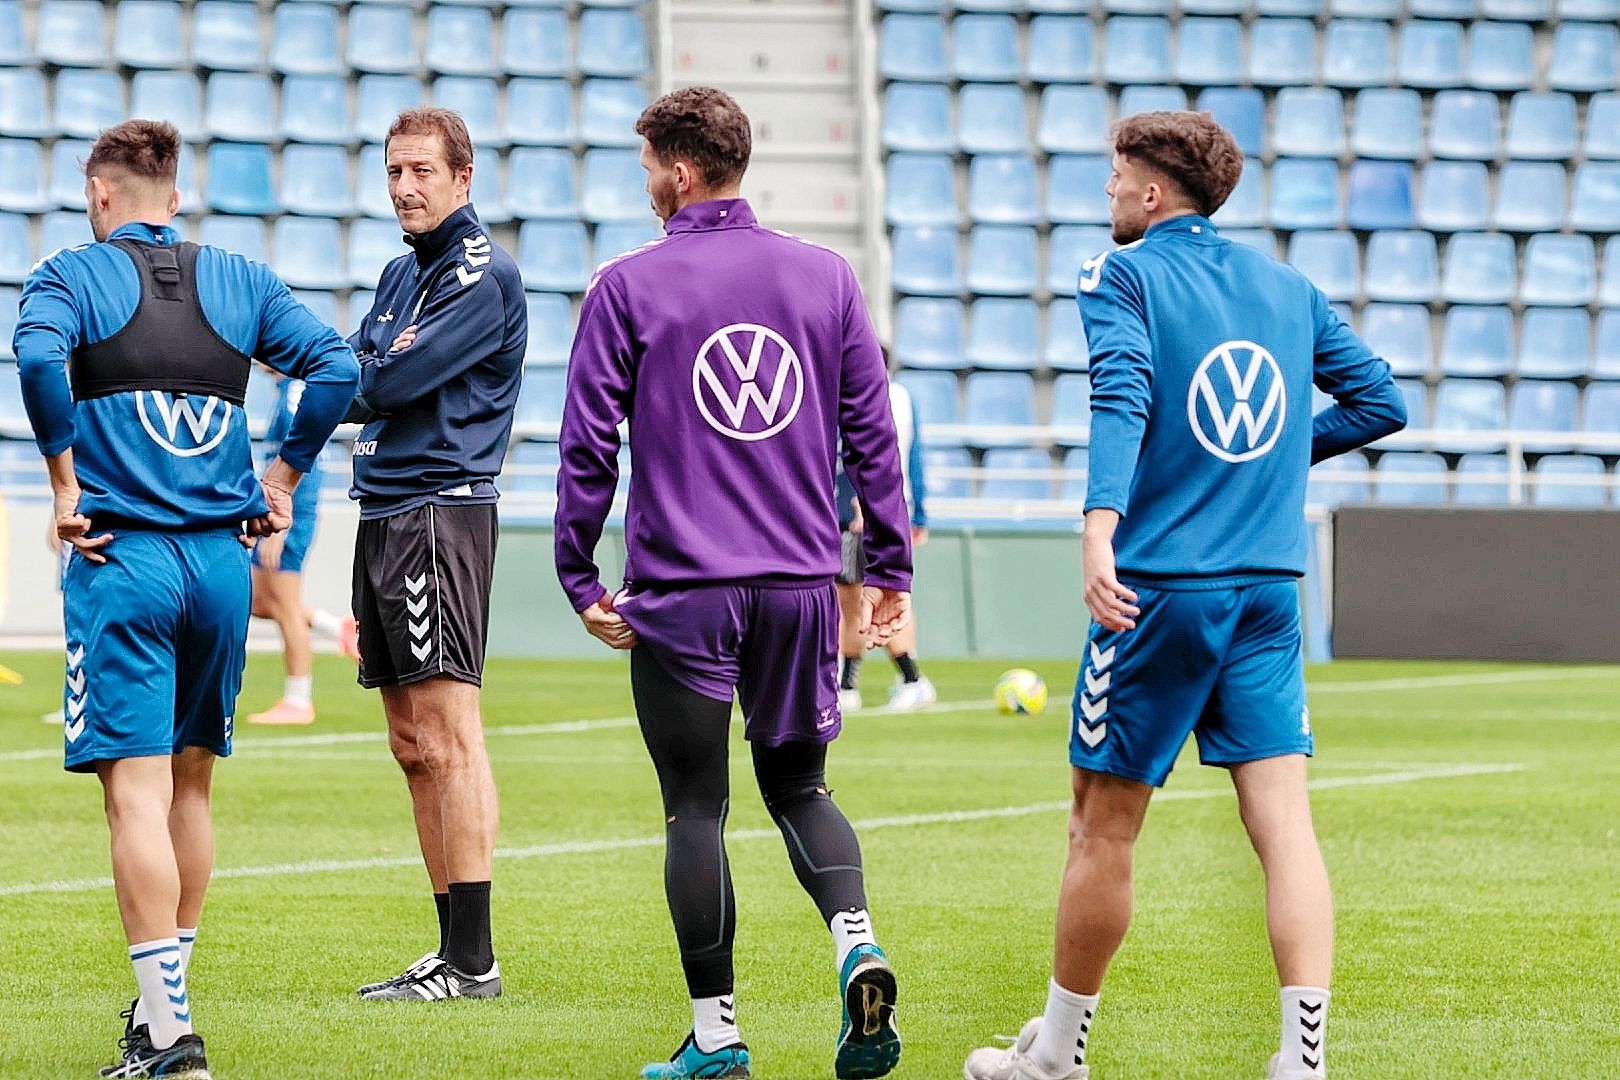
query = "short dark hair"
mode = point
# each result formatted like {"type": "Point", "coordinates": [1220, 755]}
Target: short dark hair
{"type": "Point", "coordinates": [1197, 155]}
{"type": "Point", "coordinates": [447, 124]}
{"type": "Point", "coordinates": [704, 126]}
{"type": "Point", "coordinates": [149, 149]}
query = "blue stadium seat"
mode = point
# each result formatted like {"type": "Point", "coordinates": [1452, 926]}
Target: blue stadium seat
{"type": "Point", "coordinates": [1001, 260]}
{"type": "Point", "coordinates": [185, 180]}
{"type": "Point", "coordinates": [1209, 52]}
{"type": "Point", "coordinates": [380, 98]}
{"type": "Point", "coordinates": [1541, 126]}
{"type": "Point", "coordinates": [1609, 287]}
{"type": "Point", "coordinates": [540, 403]}
{"type": "Point", "coordinates": [1482, 480]}
{"type": "Point", "coordinates": [917, 117]}
{"type": "Point", "coordinates": [16, 250]}
{"type": "Point", "coordinates": [1136, 49]}
{"type": "Point", "coordinates": [1583, 57]}
{"type": "Point", "coordinates": [1004, 333]}
{"type": "Point", "coordinates": [22, 103]}
{"type": "Point", "coordinates": [460, 41]}
{"type": "Point", "coordinates": [944, 463]}
{"type": "Point", "coordinates": [67, 173]}
{"type": "Point", "coordinates": [1559, 270]}
{"type": "Point", "coordinates": [936, 397]}
{"type": "Point", "coordinates": [1601, 416]}
{"type": "Point", "coordinates": [309, 253]}
{"type": "Point", "coordinates": [1075, 189]}
{"type": "Point", "coordinates": [1308, 122]}
{"type": "Point", "coordinates": [542, 184]}
{"type": "Point", "coordinates": [1073, 120]}
{"type": "Point", "coordinates": [225, 36]}
{"type": "Point", "coordinates": [1061, 50]}
{"type": "Point", "coordinates": [489, 191]}
{"type": "Point", "coordinates": [371, 183]}
{"type": "Point", "coordinates": [1076, 471]}
{"type": "Point", "coordinates": [315, 180]}
{"type": "Point", "coordinates": [551, 329]}
{"type": "Point", "coordinates": [1330, 259]}
{"type": "Point", "coordinates": [1400, 334]}
{"type": "Point", "coordinates": [540, 112]}
{"type": "Point", "coordinates": [1066, 249]}
{"type": "Point", "coordinates": [930, 333]}
{"type": "Point", "coordinates": [1000, 399]}
{"type": "Point", "coordinates": [1380, 195]}
{"type": "Point", "coordinates": [382, 38]}
{"type": "Point", "coordinates": [1355, 52]}
{"type": "Point", "coordinates": [1305, 194]}
{"type": "Point", "coordinates": [175, 96]}
{"type": "Point", "coordinates": [1389, 124]}
{"type": "Point", "coordinates": [1477, 341]}
{"type": "Point", "coordinates": [1480, 268]}
{"type": "Point", "coordinates": [920, 190]}
{"type": "Point", "coordinates": [239, 179]}
{"type": "Point", "coordinates": [1065, 348]}
{"type": "Point", "coordinates": [1213, 7]}
{"type": "Point", "coordinates": [1554, 343]}
{"type": "Point", "coordinates": [1071, 409]}
{"type": "Point", "coordinates": [1453, 197]}
{"type": "Point", "coordinates": [63, 229]}
{"type": "Point", "coordinates": [1263, 240]}
{"type": "Point", "coordinates": [535, 42]}
{"type": "Point", "coordinates": [1141, 99]}
{"type": "Point", "coordinates": [147, 34]}
{"type": "Point", "coordinates": [926, 6]}
{"type": "Point", "coordinates": [1570, 480]}
{"type": "Point", "coordinates": [1595, 207]}
{"type": "Point", "coordinates": [1415, 396]}
{"type": "Point", "coordinates": [22, 176]}
{"type": "Point", "coordinates": [531, 468]}
{"type": "Point", "coordinates": [985, 48]}
{"type": "Point", "coordinates": [1606, 353]}
{"type": "Point", "coordinates": [1529, 197]}
{"type": "Point", "coordinates": [927, 261]}
{"type": "Point", "coordinates": [13, 42]}
{"type": "Point", "coordinates": [1603, 127]}
{"type": "Point", "coordinates": [1470, 405]}
{"type": "Point", "coordinates": [243, 235]}
{"type": "Point", "coordinates": [1329, 486]}
{"type": "Point", "coordinates": [613, 187]}
{"type": "Point", "coordinates": [478, 102]}
{"type": "Point", "coordinates": [72, 33]}
{"type": "Point", "coordinates": [1138, 7]}
{"type": "Point", "coordinates": [1010, 6]}
{"type": "Point", "coordinates": [1240, 110]}
{"type": "Point", "coordinates": [1410, 479]}
{"type": "Point", "coordinates": [1430, 55]}
{"type": "Point", "coordinates": [1245, 207]}
{"type": "Point", "coordinates": [1282, 52]}
{"type": "Point", "coordinates": [1595, 10]}
{"type": "Point", "coordinates": [1465, 124]}
{"type": "Point", "coordinates": [360, 301]}
{"type": "Point", "coordinates": [990, 119]}
{"type": "Point", "coordinates": [315, 108]}
{"type": "Point", "coordinates": [240, 106]}
{"type": "Point", "coordinates": [608, 109]}
{"type": "Point", "coordinates": [1515, 10]}
{"type": "Point", "coordinates": [9, 299]}
{"type": "Point", "coordinates": [372, 245]}
{"type": "Point", "coordinates": [1365, 9]}
{"type": "Point", "coordinates": [553, 256]}
{"type": "Point", "coordinates": [912, 47]}
{"type": "Point", "coordinates": [88, 102]}
{"type": "Point", "coordinates": [303, 40]}
{"type": "Point", "coordinates": [613, 44]}
{"type": "Point", "coordinates": [1001, 189]}
{"type": "Point", "coordinates": [1500, 56]}
{"type": "Point", "coordinates": [1543, 405]}
{"type": "Point", "coordinates": [614, 238]}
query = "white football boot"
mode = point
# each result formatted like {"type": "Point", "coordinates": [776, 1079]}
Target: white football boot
{"type": "Point", "coordinates": [849, 701]}
{"type": "Point", "coordinates": [904, 696]}
{"type": "Point", "coordinates": [1013, 1063]}
{"type": "Point", "coordinates": [1274, 1071]}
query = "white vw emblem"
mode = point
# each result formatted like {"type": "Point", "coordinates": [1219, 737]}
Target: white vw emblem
{"type": "Point", "coordinates": [173, 410]}
{"type": "Point", "coordinates": [770, 361]}
{"type": "Point", "coordinates": [1218, 405]}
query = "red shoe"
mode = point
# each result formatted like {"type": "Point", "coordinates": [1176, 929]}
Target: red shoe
{"type": "Point", "coordinates": [285, 712]}
{"type": "Point", "coordinates": [349, 638]}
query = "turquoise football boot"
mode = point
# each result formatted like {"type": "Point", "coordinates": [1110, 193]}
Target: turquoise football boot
{"type": "Point", "coordinates": [690, 1061]}
{"type": "Point", "coordinates": [868, 1042]}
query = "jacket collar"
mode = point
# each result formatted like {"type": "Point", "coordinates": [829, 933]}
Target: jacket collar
{"type": "Point", "coordinates": [715, 214]}
{"type": "Point", "coordinates": [145, 233]}
{"type": "Point", "coordinates": [430, 245]}
{"type": "Point", "coordinates": [1195, 224]}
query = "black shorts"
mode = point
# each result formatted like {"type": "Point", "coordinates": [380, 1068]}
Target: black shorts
{"type": "Point", "coordinates": [853, 570]}
{"type": "Point", "coordinates": [421, 594]}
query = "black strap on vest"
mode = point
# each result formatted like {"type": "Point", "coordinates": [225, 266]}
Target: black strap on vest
{"type": "Point", "coordinates": [168, 344]}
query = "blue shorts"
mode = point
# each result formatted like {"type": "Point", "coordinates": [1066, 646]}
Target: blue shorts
{"type": "Point", "coordinates": [306, 507]}
{"type": "Point", "coordinates": [1224, 663]}
{"type": "Point", "coordinates": [156, 641]}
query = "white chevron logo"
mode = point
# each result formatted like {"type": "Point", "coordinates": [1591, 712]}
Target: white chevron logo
{"type": "Point", "coordinates": [419, 629]}
{"type": "Point", "coordinates": [416, 606]}
{"type": "Point", "coordinates": [1098, 685]}
{"type": "Point", "coordinates": [75, 658]}
{"type": "Point", "coordinates": [414, 585]}
{"type": "Point", "coordinates": [1101, 660]}
{"type": "Point", "coordinates": [73, 709]}
{"type": "Point", "coordinates": [421, 651]}
{"type": "Point", "coordinates": [476, 260]}
{"type": "Point", "coordinates": [73, 729]}
{"type": "Point", "coordinates": [466, 278]}
{"type": "Point", "coordinates": [1091, 736]}
{"type": "Point", "coordinates": [1093, 711]}
{"type": "Point", "coordinates": [75, 681]}
{"type": "Point", "coordinates": [475, 243]}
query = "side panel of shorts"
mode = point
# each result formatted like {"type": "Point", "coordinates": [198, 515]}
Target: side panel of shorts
{"type": "Point", "coordinates": [789, 684]}
{"type": "Point", "coordinates": [213, 646]}
{"type": "Point", "coordinates": [1258, 708]}
{"type": "Point", "coordinates": [694, 634]}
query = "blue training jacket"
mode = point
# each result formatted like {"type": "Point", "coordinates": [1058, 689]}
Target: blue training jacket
{"type": "Point", "coordinates": [1203, 353]}
{"type": "Point", "coordinates": [152, 458]}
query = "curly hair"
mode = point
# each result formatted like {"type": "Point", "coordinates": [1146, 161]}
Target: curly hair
{"type": "Point", "coordinates": [149, 149]}
{"type": "Point", "coordinates": [703, 125]}
{"type": "Point", "coordinates": [1193, 151]}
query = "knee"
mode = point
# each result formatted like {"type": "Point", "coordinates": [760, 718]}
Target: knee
{"type": "Point", "coordinates": [408, 753]}
{"type": "Point", "coordinates": [784, 796]}
{"type": "Point", "coordinates": [446, 743]}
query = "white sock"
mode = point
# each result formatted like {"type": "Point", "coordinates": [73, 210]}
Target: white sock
{"type": "Point", "coordinates": [326, 623]}
{"type": "Point", "coordinates": [1060, 1048]}
{"type": "Point", "coordinates": [714, 1022]}
{"type": "Point", "coordinates": [161, 974]}
{"type": "Point", "coordinates": [849, 929]}
{"type": "Point", "coordinates": [298, 689]}
{"type": "Point", "coordinates": [187, 938]}
{"type": "Point", "coordinates": [1304, 1032]}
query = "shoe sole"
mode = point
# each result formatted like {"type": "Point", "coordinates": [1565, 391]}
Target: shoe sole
{"type": "Point", "coordinates": [871, 1048]}
{"type": "Point", "coordinates": [480, 992]}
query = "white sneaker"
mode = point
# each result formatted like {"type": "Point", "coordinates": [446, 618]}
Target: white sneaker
{"type": "Point", "coordinates": [849, 701]}
{"type": "Point", "coordinates": [1013, 1063]}
{"type": "Point", "coordinates": [904, 696]}
{"type": "Point", "coordinates": [1274, 1071]}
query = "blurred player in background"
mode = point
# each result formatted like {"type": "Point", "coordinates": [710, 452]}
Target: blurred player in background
{"type": "Point", "coordinates": [134, 356]}
{"type": "Point", "coordinates": [738, 354]}
{"type": "Point", "coordinates": [1203, 354]}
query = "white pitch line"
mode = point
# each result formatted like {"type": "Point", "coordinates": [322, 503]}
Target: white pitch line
{"type": "Point", "coordinates": [1482, 678]}
{"type": "Point", "coordinates": [904, 821]}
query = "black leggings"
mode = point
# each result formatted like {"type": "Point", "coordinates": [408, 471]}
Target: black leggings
{"type": "Point", "coordinates": [686, 735]}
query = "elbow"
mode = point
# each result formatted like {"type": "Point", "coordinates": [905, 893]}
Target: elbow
{"type": "Point", "coordinates": [1395, 417]}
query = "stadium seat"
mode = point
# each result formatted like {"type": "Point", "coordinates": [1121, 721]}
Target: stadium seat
{"type": "Point", "coordinates": [1013, 474]}
{"type": "Point", "coordinates": [1541, 126]}
{"type": "Point", "coordinates": [1453, 196]}
{"type": "Point", "coordinates": [990, 119]}
{"type": "Point", "coordinates": [1065, 348]}
{"type": "Point", "coordinates": [1245, 207]}
{"type": "Point", "coordinates": [315, 109]}
{"type": "Point", "coordinates": [1003, 333]}
{"type": "Point", "coordinates": [382, 38]}
{"type": "Point", "coordinates": [1011, 6]}
{"type": "Point", "coordinates": [1559, 270]}
{"type": "Point", "coordinates": [16, 251]}
{"type": "Point", "coordinates": [912, 47]}
{"type": "Point", "coordinates": [1400, 334]}
{"type": "Point", "coordinates": [1389, 124]}
{"type": "Point", "coordinates": [303, 40]}
{"type": "Point", "coordinates": [1583, 57]}
{"type": "Point", "coordinates": [22, 103]}
{"type": "Point", "coordinates": [71, 33]}
{"type": "Point", "coordinates": [531, 469]}
{"type": "Point", "coordinates": [373, 244]}
{"type": "Point", "coordinates": [380, 98]}
{"type": "Point", "coordinates": [185, 180]}
{"type": "Point", "coordinates": [460, 41]}
{"type": "Point", "coordinates": [1543, 405]}
{"type": "Point", "coordinates": [1554, 343]}
{"type": "Point", "coordinates": [1609, 287]}
{"type": "Point", "coordinates": [1073, 120]}
{"type": "Point", "coordinates": [1481, 480]}
{"type": "Point", "coordinates": [1365, 9]}
{"type": "Point", "coordinates": [1430, 55]}
{"type": "Point", "coordinates": [1329, 483]}
{"type": "Point", "coordinates": [1470, 405]}
{"type": "Point", "coordinates": [1076, 471]}
{"type": "Point", "coordinates": [1465, 124]}
{"type": "Point", "coordinates": [22, 176]}
{"type": "Point", "coordinates": [243, 235]}
{"type": "Point", "coordinates": [1061, 50]}
{"type": "Point", "coordinates": [1478, 341]}
{"type": "Point", "coordinates": [1355, 52]}
{"type": "Point", "coordinates": [927, 261]}
{"type": "Point", "coordinates": [309, 253]}
{"type": "Point", "coordinates": [88, 102]}
{"type": "Point", "coordinates": [1578, 480]}
{"type": "Point", "coordinates": [1141, 99]}
{"type": "Point", "coordinates": [239, 179]}
{"type": "Point", "coordinates": [608, 109]}
{"type": "Point", "coordinates": [1595, 10]}
{"type": "Point", "coordinates": [1516, 10]}
{"type": "Point", "coordinates": [553, 256]}
{"type": "Point", "coordinates": [1240, 110]}
{"type": "Point", "coordinates": [1409, 479]}
{"type": "Point", "coordinates": [613, 187]}
{"type": "Point", "coordinates": [613, 44]}
{"type": "Point", "coordinates": [315, 180]}
{"type": "Point", "coordinates": [1601, 412]}
{"type": "Point", "coordinates": [1213, 7]}
{"type": "Point", "coordinates": [1331, 260]}
{"type": "Point", "coordinates": [1308, 122]}
{"type": "Point", "coordinates": [1263, 240]}
{"type": "Point", "coordinates": [985, 48]}
{"type": "Point", "coordinates": [1209, 52]}
{"type": "Point", "coordinates": [14, 48]}
{"type": "Point", "coordinates": [999, 399]}
{"type": "Point", "coordinates": [920, 190]}
{"type": "Point", "coordinates": [540, 112]}
{"type": "Point", "coordinates": [63, 229]}
{"type": "Point", "coordinates": [1415, 396]}
{"type": "Point", "coordinates": [67, 173]}
{"type": "Point", "coordinates": [9, 299]}
{"type": "Point", "coordinates": [1002, 189]}
{"type": "Point", "coordinates": [540, 403]}
{"type": "Point", "coordinates": [535, 43]}
{"type": "Point", "coordinates": [1595, 206]}
{"type": "Point", "coordinates": [917, 117]}
{"type": "Point", "coordinates": [946, 466]}
{"type": "Point", "coordinates": [936, 397]}
{"type": "Point", "coordinates": [240, 106]}
{"type": "Point", "coordinates": [175, 96]}
{"type": "Point", "coordinates": [477, 100]}
{"type": "Point", "coordinates": [371, 183]}
{"type": "Point", "coordinates": [541, 183]}
{"type": "Point", "coordinates": [1606, 353]}
{"type": "Point", "coordinates": [225, 36]}
{"type": "Point", "coordinates": [147, 34]}
{"type": "Point", "coordinates": [1001, 260]}
{"type": "Point", "coordinates": [1071, 410]}
{"type": "Point", "coordinates": [1305, 194]}
{"type": "Point", "coordinates": [1500, 56]}
{"type": "Point", "coordinates": [1068, 247]}
{"type": "Point", "coordinates": [930, 333]}
{"type": "Point", "coordinates": [1282, 52]}
{"type": "Point", "coordinates": [551, 329]}
{"type": "Point", "coordinates": [1602, 127]}
{"type": "Point", "coordinates": [1380, 195]}
{"type": "Point", "coordinates": [359, 306]}
{"type": "Point", "coordinates": [614, 238]}
{"type": "Point", "coordinates": [929, 6]}
{"type": "Point", "coordinates": [1480, 268]}
{"type": "Point", "coordinates": [1529, 197]}
{"type": "Point", "coordinates": [1136, 49]}
{"type": "Point", "coordinates": [1076, 189]}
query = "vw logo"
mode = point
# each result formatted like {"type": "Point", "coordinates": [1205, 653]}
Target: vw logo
{"type": "Point", "coordinates": [1237, 403]}
{"type": "Point", "coordinates": [197, 415]}
{"type": "Point", "coordinates": [748, 381]}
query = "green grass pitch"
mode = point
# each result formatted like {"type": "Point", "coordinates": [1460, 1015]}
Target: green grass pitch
{"type": "Point", "coordinates": [1468, 814]}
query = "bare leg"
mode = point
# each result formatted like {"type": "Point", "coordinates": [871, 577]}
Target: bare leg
{"type": "Point", "coordinates": [1276, 809]}
{"type": "Point", "coordinates": [191, 829]}
{"type": "Point", "coordinates": [419, 780]}
{"type": "Point", "coordinates": [450, 740]}
{"type": "Point", "coordinates": [1094, 907]}
{"type": "Point", "coordinates": [289, 615]}
{"type": "Point", "coordinates": [138, 793]}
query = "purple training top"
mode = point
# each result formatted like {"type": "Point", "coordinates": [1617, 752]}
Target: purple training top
{"type": "Point", "coordinates": [739, 355]}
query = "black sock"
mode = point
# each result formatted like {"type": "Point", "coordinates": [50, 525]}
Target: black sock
{"type": "Point", "coordinates": [469, 947]}
{"type": "Point", "coordinates": [907, 664]}
{"type": "Point", "coordinates": [441, 900]}
{"type": "Point", "coordinates": [851, 678]}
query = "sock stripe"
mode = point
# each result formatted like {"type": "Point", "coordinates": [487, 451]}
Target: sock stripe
{"type": "Point", "coordinates": [133, 955]}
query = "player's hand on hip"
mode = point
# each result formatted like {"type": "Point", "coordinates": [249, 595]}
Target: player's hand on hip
{"type": "Point", "coordinates": [1111, 604]}
{"type": "Point", "coordinates": [73, 528]}
{"type": "Point", "coordinates": [884, 613]}
{"type": "Point", "coordinates": [407, 338]}
{"type": "Point", "coordinates": [279, 516]}
{"type": "Point", "coordinates": [607, 625]}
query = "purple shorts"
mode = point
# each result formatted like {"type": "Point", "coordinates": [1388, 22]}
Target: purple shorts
{"type": "Point", "coordinates": [777, 648]}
